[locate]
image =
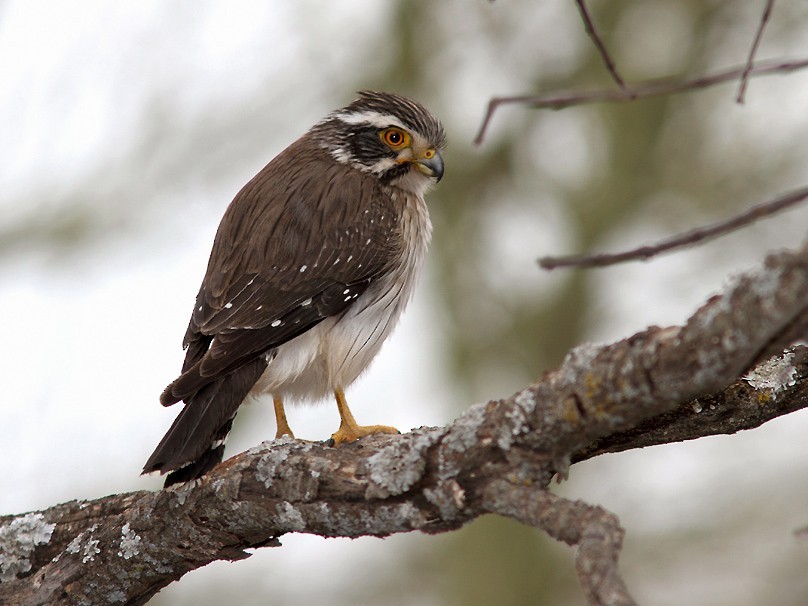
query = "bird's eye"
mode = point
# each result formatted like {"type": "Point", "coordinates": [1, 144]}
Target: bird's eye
{"type": "Point", "coordinates": [395, 137]}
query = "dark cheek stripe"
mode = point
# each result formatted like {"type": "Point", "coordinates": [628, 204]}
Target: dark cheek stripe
{"type": "Point", "coordinates": [399, 170]}
{"type": "Point", "coordinates": [366, 146]}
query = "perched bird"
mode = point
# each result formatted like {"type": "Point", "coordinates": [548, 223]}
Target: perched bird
{"type": "Point", "coordinates": [311, 267]}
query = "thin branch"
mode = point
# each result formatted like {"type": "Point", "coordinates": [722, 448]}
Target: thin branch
{"type": "Point", "coordinates": [607, 59]}
{"type": "Point", "coordinates": [640, 90]}
{"type": "Point", "coordinates": [122, 549]}
{"type": "Point", "coordinates": [688, 238]}
{"type": "Point", "coordinates": [767, 11]}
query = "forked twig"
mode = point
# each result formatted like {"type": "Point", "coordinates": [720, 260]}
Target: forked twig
{"type": "Point", "coordinates": [642, 90]}
{"type": "Point", "coordinates": [592, 32]}
{"type": "Point", "coordinates": [767, 11]}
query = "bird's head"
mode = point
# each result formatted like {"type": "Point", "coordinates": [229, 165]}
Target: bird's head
{"type": "Point", "coordinates": [388, 135]}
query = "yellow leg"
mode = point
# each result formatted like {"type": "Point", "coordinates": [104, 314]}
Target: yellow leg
{"type": "Point", "coordinates": [280, 419]}
{"type": "Point", "coordinates": [349, 430]}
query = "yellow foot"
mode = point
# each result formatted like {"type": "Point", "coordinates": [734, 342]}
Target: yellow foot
{"type": "Point", "coordinates": [280, 419]}
{"type": "Point", "coordinates": [351, 433]}
{"type": "Point", "coordinates": [349, 430]}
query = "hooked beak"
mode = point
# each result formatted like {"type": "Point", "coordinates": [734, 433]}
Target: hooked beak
{"type": "Point", "coordinates": [431, 166]}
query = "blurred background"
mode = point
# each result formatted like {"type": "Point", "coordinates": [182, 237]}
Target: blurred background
{"type": "Point", "coordinates": [127, 127]}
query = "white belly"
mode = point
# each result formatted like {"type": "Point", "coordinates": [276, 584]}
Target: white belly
{"type": "Point", "coordinates": [336, 351]}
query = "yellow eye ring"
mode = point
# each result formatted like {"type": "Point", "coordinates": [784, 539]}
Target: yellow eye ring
{"type": "Point", "coordinates": [395, 138]}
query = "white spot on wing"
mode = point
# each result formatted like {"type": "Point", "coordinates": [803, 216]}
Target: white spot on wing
{"type": "Point", "coordinates": [306, 303]}
{"type": "Point", "coordinates": [303, 268]}
{"type": "Point", "coordinates": [276, 323]}
{"type": "Point", "coordinates": [228, 305]}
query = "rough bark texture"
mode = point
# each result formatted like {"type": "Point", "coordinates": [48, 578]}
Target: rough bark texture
{"type": "Point", "coordinates": [716, 374]}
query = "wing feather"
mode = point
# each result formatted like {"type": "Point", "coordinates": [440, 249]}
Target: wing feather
{"type": "Point", "coordinates": [299, 243]}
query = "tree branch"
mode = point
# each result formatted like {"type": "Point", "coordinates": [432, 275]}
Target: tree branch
{"type": "Point", "coordinates": [592, 32]}
{"type": "Point", "coordinates": [688, 238]}
{"type": "Point", "coordinates": [750, 60]}
{"type": "Point", "coordinates": [640, 90]}
{"type": "Point", "coordinates": [775, 388]}
{"type": "Point", "coordinates": [596, 532]}
{"type": "Point", "coordinates": [498, 457]}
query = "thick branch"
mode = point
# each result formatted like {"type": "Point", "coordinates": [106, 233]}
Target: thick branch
{"type": "Point", "coordinates": [124, 548]}
{"type": "Point", "coordinates": [777, 387]}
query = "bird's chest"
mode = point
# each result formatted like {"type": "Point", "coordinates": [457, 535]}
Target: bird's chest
{"type": "Point", "coordinates": [359, 333]}
{"type": "Point", "coordinates": [337, 350]}
{"type": "Point", "coordinates": [414, 231]}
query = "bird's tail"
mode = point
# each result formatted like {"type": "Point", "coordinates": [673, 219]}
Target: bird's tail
{"type": "Point", "coordinates": [195, 442]}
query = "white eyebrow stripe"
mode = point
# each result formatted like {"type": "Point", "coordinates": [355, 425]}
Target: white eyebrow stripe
{"type": "Point", "coordinates": [373, 118]}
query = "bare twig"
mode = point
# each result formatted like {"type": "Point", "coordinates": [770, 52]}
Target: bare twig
{"type": "Point", "coordinates": [641, 90]}
{"type": "Point", "coordinates": [499, 456]}
{"type": "Point", "coordinates": [688, 238]}
{"type": "Point", "coordinates": [607, 59]}
{"type": "Point", "coordinates": [764, 19]}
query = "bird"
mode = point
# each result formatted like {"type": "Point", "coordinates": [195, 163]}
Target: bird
{"type": "Point", "coordinates": [312, 265]}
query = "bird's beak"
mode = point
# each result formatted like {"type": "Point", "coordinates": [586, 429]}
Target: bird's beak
{"type": "Point", "coordinates": [431, 164]}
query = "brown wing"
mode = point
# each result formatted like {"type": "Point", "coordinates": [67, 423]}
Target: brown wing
{"type": "Point", "coordinates": [299, 243]}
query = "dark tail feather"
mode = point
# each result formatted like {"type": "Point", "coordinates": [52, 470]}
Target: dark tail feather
{"type": "Point", "coordinates": [209, 459]}
{"type": "Point", "coordinates": [195, 442]}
